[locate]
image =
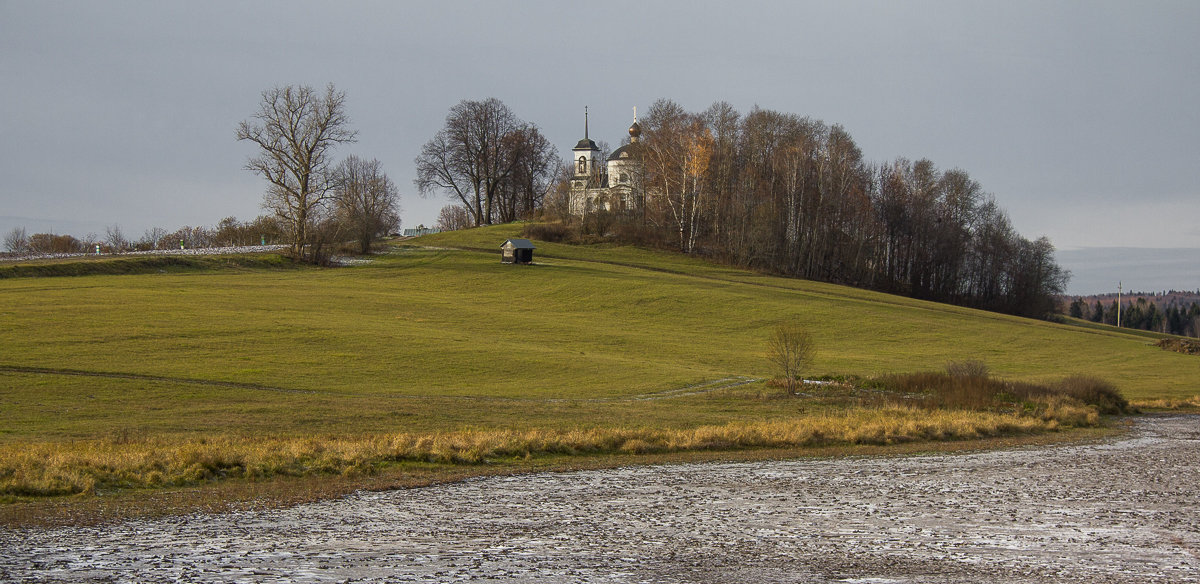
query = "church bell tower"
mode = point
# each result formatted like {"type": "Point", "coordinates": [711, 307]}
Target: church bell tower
{"type": "Point", "coordinates": [586, 154]}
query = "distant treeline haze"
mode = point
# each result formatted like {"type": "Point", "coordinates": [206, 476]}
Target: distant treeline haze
{"type": "Point", "coordinates": [1179, 317]}
{"type": "Point", "coordinates": [228, 232]}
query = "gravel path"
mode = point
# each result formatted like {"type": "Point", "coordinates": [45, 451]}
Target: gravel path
{"type": "Point", "coordinates": [1120, 511]}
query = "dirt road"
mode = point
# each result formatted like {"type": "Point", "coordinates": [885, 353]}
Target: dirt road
{"type": "Point", "coordinates": [1122, 511]}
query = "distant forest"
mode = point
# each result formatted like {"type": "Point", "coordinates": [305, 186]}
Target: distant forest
{"type": "Point", "coordinates": [1176, 313]}
{"type": "Point", "coordinates": [792, 195]}
{"type": "Point", "coordinates": [228, 232]}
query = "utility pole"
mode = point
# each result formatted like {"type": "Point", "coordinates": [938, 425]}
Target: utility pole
{"type": "Point", "coordinates": [1119, 284]}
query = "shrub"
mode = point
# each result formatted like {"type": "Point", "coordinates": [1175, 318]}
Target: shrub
{"type": "Point", "coordinates": [1096, 392]}
{"type": "Point", "coordinates": [632, 230]}
{"type": "Point", "coordinates": [941, 390]}
{"type": "Point", "coordinates": [557, 232]}
{"type": "Point", "coordinates": [791, 348]}
{"type": "Point", "coordinates": [1185, 346]}
{"type": "Point", "coordinates": [970, 369]}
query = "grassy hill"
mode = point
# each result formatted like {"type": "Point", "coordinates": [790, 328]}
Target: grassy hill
{"type": "Point", "coordinates": [436, 337]}
{"type": "Point", "coordinates": [870, 333]}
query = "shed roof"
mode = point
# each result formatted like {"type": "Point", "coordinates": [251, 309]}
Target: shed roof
{"type": "Point", "coordinates": [519, 243]}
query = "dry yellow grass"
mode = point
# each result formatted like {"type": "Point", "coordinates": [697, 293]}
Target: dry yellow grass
{"type": "Point", "coordinates": [145, 462]}
{"type": "Point", "coordinates": [1190, 403]}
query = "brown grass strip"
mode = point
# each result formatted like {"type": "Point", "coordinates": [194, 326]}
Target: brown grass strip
{"type": "Point", "coordinates": [85, 467]}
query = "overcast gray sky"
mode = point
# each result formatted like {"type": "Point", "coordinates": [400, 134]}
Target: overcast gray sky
{"type": "Point", "coordinates": [1082, 118]}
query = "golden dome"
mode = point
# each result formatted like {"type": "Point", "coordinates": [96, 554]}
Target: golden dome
{"type": "Point", "coordinates": [635, 130]}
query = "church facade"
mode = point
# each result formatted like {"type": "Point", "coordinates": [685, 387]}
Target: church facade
{"type": "Point", "coordinates": [612, 183]}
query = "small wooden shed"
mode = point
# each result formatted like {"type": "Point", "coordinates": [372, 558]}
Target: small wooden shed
{"type": "Point", "coordinates": [517, 251]}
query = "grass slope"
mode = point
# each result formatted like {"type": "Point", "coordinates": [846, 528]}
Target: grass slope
{"type": "Point", "coordinates": [870, 333]}
{"type": "Point", "coordinates": [438, 338]}
{"type": "Point", "coordinates": [344, 347]}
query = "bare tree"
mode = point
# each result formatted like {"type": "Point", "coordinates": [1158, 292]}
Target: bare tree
{"type": "Point", "coordinates": [188, 237]}
{"type": "Point", "coordinates": [729, 202]}
{"type": "Point", "coordinates": [453, 218]}
{"type": "Point", "coordinates": [487, 159]}
{"type": "Point", "coordinates": [791, 348]}
{"type": "Point", "coordinates": [230, 232]}
{"type": "Point", "coordinates": [151, 239]}
{"type": "Point", "coordinates": [557, 202]}
{"type": "Point", "coordinates": [296, 129]}
{"type": "Point", "coordinates": [265, 229]}
{"type": "Point", "coordinates": [116, 239]}
{"type": "Point", "coordinates": [366, 199]}
{"type": "Point", "coordinates": [534, 161]}
{"type": "Point", "coordinates": [678, 156]}
{"type": "Point", "coordinates": [16, 241]}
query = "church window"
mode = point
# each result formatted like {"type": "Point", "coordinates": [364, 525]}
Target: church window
{"type": "Point", "coordinates": [624, 178]}
{"type": "Point", "coordinates": [582, 165]}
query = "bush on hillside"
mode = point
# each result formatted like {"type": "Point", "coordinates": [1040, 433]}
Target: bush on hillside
{"type": "Point", "coordinates": [969, 368]}
{"type": "Point", "coordinates": [557, 232]}
{"type": "Point", "coordinates": [944, 391]}
{"type": "Point", "coordinates": [791, 348]}
{"type": "Point", "coordinates": [1185, 346]}
{"type": "Point", "coordinates": [1095, 392]}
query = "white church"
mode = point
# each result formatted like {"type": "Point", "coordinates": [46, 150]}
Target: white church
{"type": "Point", "coordinates": [615, 184]}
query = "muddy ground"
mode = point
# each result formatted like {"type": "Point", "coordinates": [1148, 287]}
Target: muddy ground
{"type": "Point", "coordinates": [1127, 510]}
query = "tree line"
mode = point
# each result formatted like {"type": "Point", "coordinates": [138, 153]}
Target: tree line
{"type": "Point", "coordinates": [793, 195]}
{"type": "Point", "coordinates": [1178, 318]}
{"type": "Point", "coordinates": [229, 232]}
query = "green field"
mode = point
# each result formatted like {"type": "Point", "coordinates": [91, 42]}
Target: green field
{"type": "Point", "coordinates": [438, 336]}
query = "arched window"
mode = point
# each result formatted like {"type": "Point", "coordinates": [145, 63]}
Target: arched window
{"type": "Point", "coordinates": [624, 178]}
{"type": "Point", "coordinates": [582, 165]}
